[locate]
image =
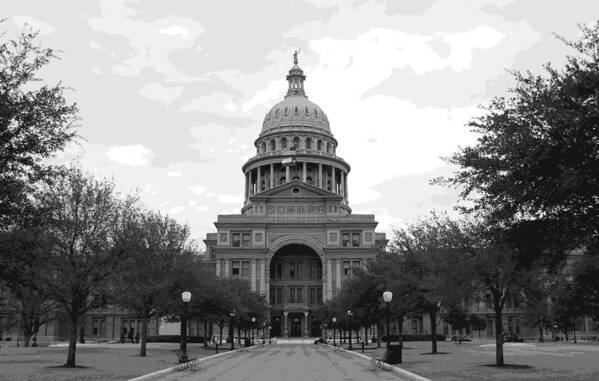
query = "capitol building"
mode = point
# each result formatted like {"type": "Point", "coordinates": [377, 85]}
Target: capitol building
{"type": "Point", "coordinates": [295, 240]}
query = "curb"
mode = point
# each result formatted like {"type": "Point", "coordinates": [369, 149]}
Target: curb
{"type": "Point", "coordinates": [402, 372]}
{"type": "Point", "coordinates": [172, 369]}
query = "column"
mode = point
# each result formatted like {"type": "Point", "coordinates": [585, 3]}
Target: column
{"type": "Point", "coordinates": [305, 173]}
{"type": "Point", "coordinates": [253, 275]}
{"type": "Point", "coordinates": [320, 175]}
{"type": "Point", "coordinates": [306, 325]}
{"type": "Point", "coordinates": [333, 182]}
{"type": "Point", "coordinates": [259, 180]}
{"type": "Point", "coordinates": [272, 175]}
{"type": "Point", "coordinates": [342, 184]}
{"type": "Point", "coordinates": [346, 190]}
{"type": "Point", "coordinates": [227, 264]}
{"type": "Point", "coordinates": [285, 332]}
{"type": "Point", "coordinates": [247, 187]}
{"type": "Point", "coordinates": [217, 267]}
{"type": "Point", "coordinates": [262, 277]}
{"type": "Point", "coordinates": [249, 183]}
{"type": "Point", "coordinates": [287, 174]}
{"type": "Point", "coordinates": [329, 288]}
{"type": "Point", "coordinates": [338, 271]}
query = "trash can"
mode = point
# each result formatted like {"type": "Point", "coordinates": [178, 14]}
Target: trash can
{"type": "Point", "coordinates": [393, 354]}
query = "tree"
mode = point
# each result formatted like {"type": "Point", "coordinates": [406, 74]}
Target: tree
{"type": "Point", "coordinates": [35, 121]}
{"type": "Point", "coordinates": [585, 286]}
{"type": "Point", "coordinates": [433, 249]}
{"type": "Point", "coordinates": [87, 222]}
{"type": "Point", "coordinates": [535, 163]}
{"type": "Point", "coordinates": [22, 268]}
{"type": "Point", "coordinates": [156, 242]}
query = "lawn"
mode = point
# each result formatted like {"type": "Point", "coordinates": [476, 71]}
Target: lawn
{"type": "Point", "coordinates": [475, 361]}
{"type": "Point", "coordinates": [95, 361]}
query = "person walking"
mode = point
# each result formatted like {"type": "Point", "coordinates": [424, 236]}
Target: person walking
{"type": "Point", "coordinates": [130, 336]}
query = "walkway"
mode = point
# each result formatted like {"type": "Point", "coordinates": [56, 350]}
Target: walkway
{"type": "Point", "coordinates": [285, 363]}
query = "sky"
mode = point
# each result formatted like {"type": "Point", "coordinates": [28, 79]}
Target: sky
{"type": "Point", "coordinates": [172, 94]}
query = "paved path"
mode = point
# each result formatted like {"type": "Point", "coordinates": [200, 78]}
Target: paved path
{"type": "Point", "coordinates": [285, 363]}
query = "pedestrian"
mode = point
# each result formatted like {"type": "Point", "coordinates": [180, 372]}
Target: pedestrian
{"type": "Point", "coordinates": [82, 335]}
{"type": "Point", "coordinates": [123, 336]}
{"type": "Point", "coordinates": [130, 336]}
{"type": "Point", "coordinates": [137, 337]}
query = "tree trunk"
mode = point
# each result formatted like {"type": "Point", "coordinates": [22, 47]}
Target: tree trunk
{"type": "Point", "coordinates": [498, 336]}
{"type": "Point", "coordinates": [72, 344]}
{"type": "Point", "coordinates": [366, 335]}
{"type": "Point", "coordinates": [541, 338]}
{"type": "Point", "coordinates": [206, 333]}
{"type": "Point", "coordinates": [144, 330]}
{"type": "Point", "coordinates": [27, 338]}
{"type": "Point", "coordinates": [220, 334]}
{"type": "Point", "coordinates": [378, 334]}
{"type": "Point", "coordinates": [433, 316]}
{"type": "Point", "coordinates": [400, 332]}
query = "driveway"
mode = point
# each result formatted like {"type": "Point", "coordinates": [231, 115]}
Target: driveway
{"type": "Point", "coordinates": [285, 363]}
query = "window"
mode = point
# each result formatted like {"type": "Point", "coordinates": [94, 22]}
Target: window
{"type": "Point", "coordinates": [284, 143]}
{"type": "Point", "coordinates": [241, 239]}
{"type": "Point", "coordinates": [345, 239]}
{"type": "Point", "coordinates": [245, 269]}
{"type": "Point", "coordinates": [273, 145]}
{"type": "Point", "coordinates": [315, 271]}
{"type": "Point", "coordinates": [296, 143]}
{"type": "Point", "coordinates": [350, 239]}
{"type": "Point", "coordinates": [346, 268]}
{"type": "Point", "coordinates": [235, 269]}
{"type": "Point", "coordinates": [355, 264]}
{"type": "Point", "coordinates": [315, 296]}
{"type": "Point", "coordinates": [279, 270]}
{"type": "Point", "coordinates": [276, 296]}
{"type": "Point", "coordinates": [296, 295]}
{"type": "Point", "coordinates": [319, 145]}
{"type": "Point", "coordinates": [308, 143]}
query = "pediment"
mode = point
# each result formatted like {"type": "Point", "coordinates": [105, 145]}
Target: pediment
{"type": "Point", "coordinates": [294, 190]}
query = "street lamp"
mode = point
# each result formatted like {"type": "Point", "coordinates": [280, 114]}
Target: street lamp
{"type": "Point", "coordinates": [387, 296]}
{"type": "Point", "coordinates": [349, 324]}
{"type": "Point", "coordinates": [186, 297]}
{"type": "Point", "coordinates": [334, 321]}
{"type": "Point", "coordinates": [232, 315]}
{"type": "Point", "coordinates": [253, 324]}
{"type": "Point", "coordinates": [326, 336]}
{"type": "Point", "coordinates": [264, 333]}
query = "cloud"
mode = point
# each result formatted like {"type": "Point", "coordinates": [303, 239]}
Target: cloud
{"type": "Point", "coordinates": [43, 27]}
{"type": "Point", "coordinates": [134, 155]}
{"type": "Point", "coordinates": [176, 30]}
{"type": "Point", "coordinates": [174, 174]}
{"type": "Point", "coordinates": [151, 41]}
{"type": "Point", "coordinates": [197, 189]}
{"type": "Point", "coordinates": [157, 91]}
{"type": "Point", "coordinates": [230, 199]}
{"type": "Point", "coordinates": [176, 209]}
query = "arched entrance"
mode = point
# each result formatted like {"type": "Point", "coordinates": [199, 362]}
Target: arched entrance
{"type": "Point", "coordinates": [295, 290]}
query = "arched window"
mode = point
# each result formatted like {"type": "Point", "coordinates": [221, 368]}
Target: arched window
{"type": "Point", "coordinates": [296, 143]}
{"type": "Point", "coordinates": [319, 145]}
{"type": "Point", "coordinates": [328, 185]}
{"type": "Point", "coordinates": [308, 143]}
{"type": "Point", "coordinates": [328, 147]}
{"type": "Point", "coordinates": [282, 180]}
{"type": "Point", "coordinates": [273, 145]}
{"type": "Point", "coordinates": [263, 147]}
{"type": "Point", "coordinates": [283, 142]}
{"type": "Point", "coordinates": [309, 180]}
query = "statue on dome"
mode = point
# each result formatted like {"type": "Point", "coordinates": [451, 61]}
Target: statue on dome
{"type": "Point", "coordinates": [295, 57]}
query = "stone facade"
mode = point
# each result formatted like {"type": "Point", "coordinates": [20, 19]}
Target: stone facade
{"type": "Point", "coordinates": [296, 239]}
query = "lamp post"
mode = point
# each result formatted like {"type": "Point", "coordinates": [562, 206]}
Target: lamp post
{"type": "Point", "coordinates": [232, 315]}
{"type": "Point", "coordinates": [349, 326]}
{"type": "Point", "coordinates": [264, 333]}
{"type": "Point", "coordinates": [253, 325]}
{"type": "Point", "coordinates": [387, 296]}
{"type": "Point", "coordinates": [326, 336]}
{"type": "Point", "coordinates": [334, 321]}
{"type": "Point", "coordinates": [186, 297]}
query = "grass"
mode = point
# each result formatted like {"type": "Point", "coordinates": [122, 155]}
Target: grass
{"type": "Point", "coordinates": [94, 362]}
{"type": "Point", "coordinates": [476, 361]}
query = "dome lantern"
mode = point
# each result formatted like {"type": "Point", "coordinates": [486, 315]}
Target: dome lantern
{"type": "Point", "coordinates": [296, 79]}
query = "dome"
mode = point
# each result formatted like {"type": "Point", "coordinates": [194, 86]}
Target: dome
{"type": "Point", "coordinates": [296, 110]}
